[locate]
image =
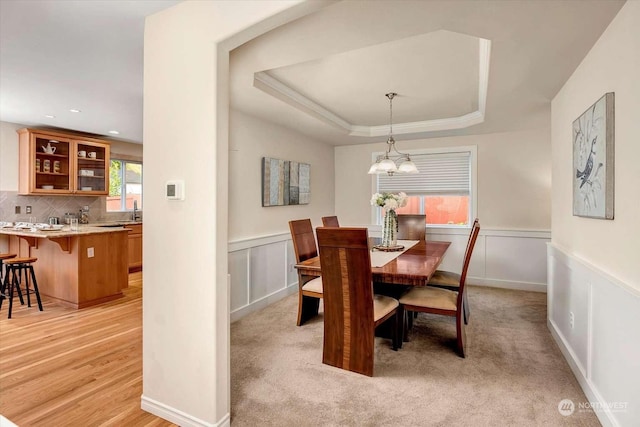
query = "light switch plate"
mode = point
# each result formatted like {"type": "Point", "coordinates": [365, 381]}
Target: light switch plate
{"type": "Point", "coordinates": [90, 252]}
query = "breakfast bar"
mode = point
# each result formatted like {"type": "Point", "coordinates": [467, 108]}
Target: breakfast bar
{"type": "Point", "coordinates": [76, 268]}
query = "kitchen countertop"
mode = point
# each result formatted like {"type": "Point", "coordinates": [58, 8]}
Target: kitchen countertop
{"type": "Point", "coordinates": [110, 223]}
{"type": "Point", "coordinates": [64, 232]}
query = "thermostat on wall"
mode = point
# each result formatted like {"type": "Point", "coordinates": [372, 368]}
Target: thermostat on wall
{"type": "Point", "coordinates": [175, 190]}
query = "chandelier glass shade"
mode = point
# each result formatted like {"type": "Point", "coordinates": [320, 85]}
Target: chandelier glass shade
{"type": "Point", "coordinates": [392, 161]}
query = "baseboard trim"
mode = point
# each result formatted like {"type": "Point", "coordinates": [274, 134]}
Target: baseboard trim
{"type": "Point", "coordinates": [508, 284]}
{"type": "Point", "coordinates": [604, 415]}
{"type": "Point", "coordinates": [263, 302]}
{"type": "Point", "coordinates": [178, 417]}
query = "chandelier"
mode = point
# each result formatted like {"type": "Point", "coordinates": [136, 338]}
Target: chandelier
{"type": "Point", "coordinates": [395, 162]}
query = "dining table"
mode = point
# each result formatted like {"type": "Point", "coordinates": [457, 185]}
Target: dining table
{"type": "Point", "coordinates": [414, 267]}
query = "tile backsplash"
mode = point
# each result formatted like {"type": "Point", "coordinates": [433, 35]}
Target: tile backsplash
{"type": "Point", "coordinates": [42, 207]}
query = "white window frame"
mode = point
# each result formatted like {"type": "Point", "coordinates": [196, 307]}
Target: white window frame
{"type": "Point", "coordinates": [376, 212]}
{"type": "Point", "coordinates": [123, 183]}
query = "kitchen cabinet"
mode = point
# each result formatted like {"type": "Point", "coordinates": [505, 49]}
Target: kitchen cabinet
{"type": "Point", "coordinates": [52, 162]}
{"type": "Point", "coordinates": [135, 247]}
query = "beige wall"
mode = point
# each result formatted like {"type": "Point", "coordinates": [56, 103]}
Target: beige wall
{"type": "Point", "coordinates": [612, 65]}
{"type": "Point", "coordinates": [9, 156]}
{"type": "Point", "coordinates": [514, 178]}
{"type": "Point", "coordinates": [250, 139]}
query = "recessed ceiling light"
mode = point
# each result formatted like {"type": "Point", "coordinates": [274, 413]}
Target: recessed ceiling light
{"type": "Point", "coordinates": [73, 110]}
{"type": "Point", "coordinates": [49, 116]}
{"type": "Point", "coordinates": [114, 132]}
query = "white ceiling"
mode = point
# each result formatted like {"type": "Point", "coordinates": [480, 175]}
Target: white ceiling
{"type": "Point", "coordinates": [331, 69]}
{"type": "Point", "coordinates": [85, 55]}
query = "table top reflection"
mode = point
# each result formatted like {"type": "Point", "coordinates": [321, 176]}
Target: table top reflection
{"type": "Point", "coordinates": [414, 267]}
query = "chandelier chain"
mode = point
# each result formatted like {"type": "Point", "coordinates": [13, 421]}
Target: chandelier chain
{"type": "Point", "coordinates": [390, 95]}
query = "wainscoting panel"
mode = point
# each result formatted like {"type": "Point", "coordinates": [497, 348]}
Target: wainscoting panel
{"type": "Point", "coordinates": [615, 348]}
{"type": "Point", "coordinates": [454, 256]}
{"type": "Point", "coordinates": [292, 274]}
{"type": "Point", "coordinates": [262, 269]}
{"type": "Point", "coordinates": [603, 345]}
{"type": "Point", "coordinates": [239, 272]}
{"type": "Point", "coordinates": [514, 259]}
{"type": "Point", "coordinates": [267, 272]}
{"type": "Point", "coordinates": [506, 262]}
{"type": "Point", "coordinates": [262, 273]}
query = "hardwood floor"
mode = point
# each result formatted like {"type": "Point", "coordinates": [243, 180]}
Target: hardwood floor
{"type": "Point", "coordinates": [67, 367]}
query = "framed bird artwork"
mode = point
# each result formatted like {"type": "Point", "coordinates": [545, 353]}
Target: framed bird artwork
{"type": "Point", "coordinates": [593, 160]}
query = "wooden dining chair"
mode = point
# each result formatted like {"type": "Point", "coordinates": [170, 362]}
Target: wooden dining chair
{"type": "Point", "coordinates": [330, 221]}
{"type": "Point", "coordinates": [412, 227]}
{"type": "Point", "coordinates": [450, 280]}
{"type": "Point", "coordinates": [351, 310]}
{"type": "Point", "coordinates": [429, 299]}
{"type": "Point", "coordinates": [309, 288]}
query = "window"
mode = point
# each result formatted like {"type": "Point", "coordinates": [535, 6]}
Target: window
{"type": "Point", "coordinates": [443, 190]}
{"type": "Point", "coordinates": [125, 185]}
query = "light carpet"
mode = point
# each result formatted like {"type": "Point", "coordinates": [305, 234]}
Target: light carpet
{"type": "Point", "coordinates": [514, 373]}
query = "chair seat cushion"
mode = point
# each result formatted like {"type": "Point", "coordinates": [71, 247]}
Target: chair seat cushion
{"type": "Point", "coordinates": [314, 285]}
{"type": "Point", "coordinates": [382, 306]}
{"type": "Point", "coordinates": [445, 278]}
{"type": "Point", "coordinates": [428, 297]}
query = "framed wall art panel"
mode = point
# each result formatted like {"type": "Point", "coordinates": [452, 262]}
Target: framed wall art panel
{"type": "Point", "coordinates": [285, 182]}
{"type": "Point", "coordinates": [593, 160]}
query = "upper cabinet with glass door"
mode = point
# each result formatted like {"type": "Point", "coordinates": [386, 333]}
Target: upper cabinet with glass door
{"type": "Point", "coordinates": [52, 162]}
{"type": "Point", "coordinates": [92, 168]}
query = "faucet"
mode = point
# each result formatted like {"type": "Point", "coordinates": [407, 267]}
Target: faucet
{"type": "Point", "coordinates": [135, 215]}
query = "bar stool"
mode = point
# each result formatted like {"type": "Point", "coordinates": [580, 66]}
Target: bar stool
{"type": "Point", "coordinates": [16, 268]}
{"type": "Point", "coordinates": [3, 257]}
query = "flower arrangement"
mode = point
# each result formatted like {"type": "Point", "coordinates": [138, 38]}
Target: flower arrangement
{"type": "Point", "coordinates": [389, 201]}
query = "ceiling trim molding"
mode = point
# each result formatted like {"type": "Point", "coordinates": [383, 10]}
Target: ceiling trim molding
{"type": "Point", "coordinates": [448, 123]}
{"type": "Point", "coordinates": [483, 74]}
{"type": "Point", "coordinates": [267, 83]}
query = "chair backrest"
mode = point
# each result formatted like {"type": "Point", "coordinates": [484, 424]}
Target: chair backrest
{"type": "Point", "coordinates": [304, 241]}
{"type": "Point", "coordinates": [330, 221]}
{"type": "Point", "coordinates": [476, 224]}
{"type": "Point", "coordinates": [348, 298]}
{"type": "Point", "coordinates": [467, 258]}
{"type": "Point", "coordinates": [412, 227]}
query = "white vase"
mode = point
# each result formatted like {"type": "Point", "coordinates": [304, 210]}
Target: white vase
{"type": "Point", "coordinates": [390, 229]}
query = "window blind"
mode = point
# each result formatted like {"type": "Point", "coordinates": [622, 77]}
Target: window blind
{"type": "Point", "coordinates": [441, 173]}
